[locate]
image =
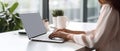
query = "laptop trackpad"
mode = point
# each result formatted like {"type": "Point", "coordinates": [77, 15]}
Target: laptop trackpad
{"type": "Point", "coordinates": [44, 38]}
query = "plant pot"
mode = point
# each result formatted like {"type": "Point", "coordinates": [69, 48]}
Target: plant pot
{"type": "Point", "coordinates": [61, 22]}
{"type": "Point", "coordinates": [54, 22]}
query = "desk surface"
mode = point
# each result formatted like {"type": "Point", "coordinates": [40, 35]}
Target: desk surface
{"type": "Point", "coordinates": [12, 41]}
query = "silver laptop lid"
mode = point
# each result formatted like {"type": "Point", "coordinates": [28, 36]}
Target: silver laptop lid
{"type": "Point", "coordinates": [33, 24]}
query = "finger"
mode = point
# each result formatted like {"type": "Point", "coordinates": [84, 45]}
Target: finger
{"type": "Point", "coordinates": [52, 35]}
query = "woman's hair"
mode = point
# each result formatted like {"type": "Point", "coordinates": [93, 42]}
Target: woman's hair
{"type": "Point", "coordinates": [113, 3]}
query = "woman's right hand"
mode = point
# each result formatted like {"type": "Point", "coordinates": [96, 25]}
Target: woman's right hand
{"type": "Point", "coordinates": [59, 34]}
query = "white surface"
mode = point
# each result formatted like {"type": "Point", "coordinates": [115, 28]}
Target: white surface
{"type": "Point", "coordinates": [12, 41]}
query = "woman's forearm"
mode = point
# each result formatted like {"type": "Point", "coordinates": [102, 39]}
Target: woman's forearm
{"type": "Point", "coordinates": [75, 32]}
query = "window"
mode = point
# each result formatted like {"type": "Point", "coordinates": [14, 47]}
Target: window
{"type": "Point", "coordinates": [93, 10]}
{"type": "Point", "coordinates": [74, 9]}
{"type": "Point", "coordinates": [71, 8]}
{"type": "Point", "coordinates": [25, 6]}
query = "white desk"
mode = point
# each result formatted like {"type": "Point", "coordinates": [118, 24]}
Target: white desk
{"type": "Point", "coordinates": [12, 41]}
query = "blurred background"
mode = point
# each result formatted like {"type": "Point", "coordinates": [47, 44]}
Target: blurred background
{"type": "Point", "coordinates": [74, 10]}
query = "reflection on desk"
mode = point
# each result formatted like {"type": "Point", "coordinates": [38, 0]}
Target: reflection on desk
{"type": "Point", "coordinates": [40, 46]}
{"type": "Point", "coordinates": [12, 41]}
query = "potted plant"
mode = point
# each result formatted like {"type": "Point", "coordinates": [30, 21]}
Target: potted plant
{"type": "Point", "coordinates": [9, 20]}
{"type": "Point", "coordinates": [59, 20]}
{"type": "Point", "coordinates": [54, 18]}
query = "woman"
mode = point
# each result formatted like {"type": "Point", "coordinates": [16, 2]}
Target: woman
{"type": "Point", "coordinates": [105, 37]}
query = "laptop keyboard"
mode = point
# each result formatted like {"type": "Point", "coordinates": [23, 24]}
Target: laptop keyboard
{"type": "Point", "coordinates": [45, 37]}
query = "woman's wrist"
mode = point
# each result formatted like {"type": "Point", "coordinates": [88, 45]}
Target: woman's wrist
{"type": "Point", "coordinates": [70, 36]}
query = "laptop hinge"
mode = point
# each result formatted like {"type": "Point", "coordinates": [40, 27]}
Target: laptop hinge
{"type": "Point", "coordinates": [38, 35]}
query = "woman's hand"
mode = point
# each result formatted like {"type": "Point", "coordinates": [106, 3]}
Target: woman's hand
{"type": "Point", "coordinates": [64, 33]}
{"type": "Point", "coordinates": [59, 34]}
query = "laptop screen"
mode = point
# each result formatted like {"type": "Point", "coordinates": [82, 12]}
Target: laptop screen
{"type": "Point", "coordinates": [33, 24]}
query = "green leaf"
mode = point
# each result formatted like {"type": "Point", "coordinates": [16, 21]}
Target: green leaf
{"type": "Point", "coordinates": [13, 7]}
{"type": "Point", "coordinates": [10, 21]}
{"type": "Point", "coordinates": [6, 4]}
{"type": "Point", "coordinates": [3, 7]}
{"type": "Point", "coordinates": [18, 23]}
{"type": "Point", "coordinates": [3, 25]}
{"type": "Point", "coordinates": [11, 26]}
{"type": "Point", "coordinates": [17, 14]}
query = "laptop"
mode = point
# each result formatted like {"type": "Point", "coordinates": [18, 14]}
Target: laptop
{"type": "Point", "coordinates": [36, 30]}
